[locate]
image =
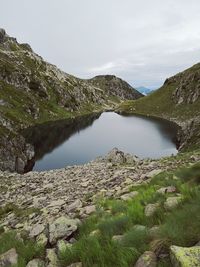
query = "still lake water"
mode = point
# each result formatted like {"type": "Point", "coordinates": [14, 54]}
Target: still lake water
{"type": "Point", "coordinates": [63, 143]}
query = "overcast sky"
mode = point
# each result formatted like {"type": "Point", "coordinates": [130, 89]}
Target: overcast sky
{"type": "Point", "coordinates": [141, 41]}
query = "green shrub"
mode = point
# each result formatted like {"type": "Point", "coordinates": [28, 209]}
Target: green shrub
{"type": "Point", "coordinates": [136, 238]}
{"type": "Point", "coordinates": [182, 226]}
{"type": "Point", "coordinates": [26, 249]}
{"type": "Point", "coordinates": [114, 225]}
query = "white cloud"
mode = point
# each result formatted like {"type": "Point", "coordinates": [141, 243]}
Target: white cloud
{"type": "Point", "coordinates": [142, 41]}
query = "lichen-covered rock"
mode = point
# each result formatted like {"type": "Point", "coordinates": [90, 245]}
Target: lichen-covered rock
{"type": "Point", "coordinates": [51, 258]}
{"type": "Point", "coordinates": [150, 209]}
{"type": "Point", "coordinates": [147, 259]}
{"type": "Point", "coordinates": [62, 227]}
{"type": "Point", "coordinates": [9, 258]}
{"type": "Point", "coordinates": [42, 240]}
{"type": "Point", "coordinates": [172, 202]}
{"type": "Point", "coordinates": [117, 238]}
{"type": "Point", "coordinates": [185, 257]}
{"type": "Point", "coordinates": [36, 263]}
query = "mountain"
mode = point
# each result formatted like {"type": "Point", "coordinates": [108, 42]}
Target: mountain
{"type": "Point", "coordinates": [34, 91]}
{"type": "Point", "coordinates": [143, 90]}
{"type": "Point", "coordinates": [177, 100]}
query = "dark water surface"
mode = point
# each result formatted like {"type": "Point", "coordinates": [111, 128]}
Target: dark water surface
{"type": "Point", "coordinates": [70, 142]}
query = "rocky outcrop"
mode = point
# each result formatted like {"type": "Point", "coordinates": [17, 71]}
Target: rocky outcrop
{"type": "Point", "coordinates": [115, 86]}
{"type": "Point", "coordinates": [148, 259]}
{"type": "Point", "coordinates": [187, 85]}
{"type": "Point", "coordinates": [9, 258]}
{"type": "Point", "coordinates": [185, 257]}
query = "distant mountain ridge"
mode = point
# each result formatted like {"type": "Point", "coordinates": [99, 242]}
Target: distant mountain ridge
{"type": "Point", "coordinates": [145, 91]}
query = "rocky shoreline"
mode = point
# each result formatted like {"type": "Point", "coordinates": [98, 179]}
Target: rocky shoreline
{"type": "Point", "coordinates": [73, 190]}
{"type": "Point", "coordinates": [49, 206]}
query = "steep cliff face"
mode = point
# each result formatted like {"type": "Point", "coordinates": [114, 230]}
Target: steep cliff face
{"type": "Point", "coordinates": [177, 100]}
{"type": "Point", "coordinates": [34, 91]}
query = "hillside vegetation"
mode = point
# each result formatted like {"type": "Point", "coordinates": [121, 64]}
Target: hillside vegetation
{"type": "Point", "coordinates": [177, 100]}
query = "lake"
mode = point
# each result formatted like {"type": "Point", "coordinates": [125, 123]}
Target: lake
{"type": "Point", "coordinates": [77, 141]}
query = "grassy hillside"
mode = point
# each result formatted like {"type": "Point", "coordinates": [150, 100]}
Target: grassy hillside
{"type": "Point", "coordinates": [177, 100]}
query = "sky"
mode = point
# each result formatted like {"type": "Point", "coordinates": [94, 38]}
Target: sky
{"type": "Point", "coordinates": [141, 41]}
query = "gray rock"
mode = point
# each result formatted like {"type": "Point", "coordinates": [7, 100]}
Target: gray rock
{"type": "Point", "coordinates": [117, 238]}
{"type": "Point", "coordinates": [9, 258]}
{"type": "Point", "coordinates": [36, 230]}
{"type": "Point", "coordinates": [115, 156]}
{"type": "Point", "coordinates": [77, 204]}
{"type": "Point", "coordinates": [36, 263]}
{"type": "Point", "coordinates": [153, 173]}
{"type": "Point", "coordinates": [154, 231]}
{"type": "Point", "coordinates": [168, 189]}
{"type": "Point", "coordinates": [57, 203]}
{"type": "Point", "coordinates": [90, 209]}
{"type": "Point", "coordinates": [172, 202]}
{"type": "Point", "coordinates": [150, 209]}
{"type": "Point", "coordinates": [129, 196]}
{"type": "Point", "coordinates": [62, 227]}
{"type": "Point", "coordinates": [77, 264]}
{"type": "Point", "coordinates": [147, 259]}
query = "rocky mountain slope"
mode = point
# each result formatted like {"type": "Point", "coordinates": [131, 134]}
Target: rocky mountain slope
{"type": "Point", "coordinates": [34, 91]}
{"type": "Point", "coordinates": [177, 100]}
{"type": "Point", "coordinates": [114, 211]}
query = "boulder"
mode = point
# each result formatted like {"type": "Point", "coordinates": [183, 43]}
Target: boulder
{"type": "Point", "coordinates": [35, 263]}
{"type": "Point", "coordinates": [147, 259]}
{"type": "Point", "coordinates": [168, 189]}
{"type": "Point", "coordinates": [117, 238]}
{"type": "Point", "coordinates": [57, 203]}
{"type": "Point", "coordinates": [77, 264]}
{"type": "Point", "coordinates": [52, 258]}
{"type": "Point", "coordinates": [36, 230]}
{"type": "Point", "coordinates": [129, 196]}
{"type": "Point", "coordinates": [153, 173]}
{"type": "Point", "coordinates": [77, 204]}
{"type": "Point", "coordinates": [63, 227]}
{"type": "Point", "coordinates": [119, 157]}
{"type": "Point", "coordinates": [185, 257]}
{"type": "Point", "coordinates": [42, 240]}
{"type": "Point", "coordinates": [62, 245]}
{"type": "Point", "coordinates": [116, 156]}
{"type": "Point", "coordinates": [154, 231]}
{"type": "Point", "coordinates": [172, 202]}
{"type": "Point", "coordinates": [150, 209]}
{"type": "Point", "coordinates": [9, 258]}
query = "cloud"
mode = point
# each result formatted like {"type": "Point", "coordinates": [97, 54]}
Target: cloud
{"type": "Point", "coordinates": [144, 42]}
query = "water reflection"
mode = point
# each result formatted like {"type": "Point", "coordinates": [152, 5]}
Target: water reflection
{"type": "Point", "coordinates": [78, 141]}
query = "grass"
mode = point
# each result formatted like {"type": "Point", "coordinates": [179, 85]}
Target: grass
{"type": "Point", "coordinates": [118, 217]}
{"type": "Point", "coordinates": [10, 207]}
{"type": "Point", "coordinates": [26, 249]}
{"type": "Point", "coordinates": [182, 226]}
